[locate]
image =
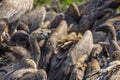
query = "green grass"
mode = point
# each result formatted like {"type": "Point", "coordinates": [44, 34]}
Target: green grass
{"type": "Point", "coordinates": [64, 3]}
{"type": "Point", "coordinates": [41, 2]}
